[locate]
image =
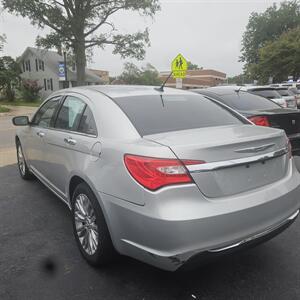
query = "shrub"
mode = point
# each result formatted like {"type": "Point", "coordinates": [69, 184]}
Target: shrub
{"type": "Point", "coordinates": [30, 90]}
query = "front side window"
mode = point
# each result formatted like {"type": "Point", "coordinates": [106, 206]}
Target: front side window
{"type": "Point", "coordinates": [44, 116]}
{"type": "Point", "coordinates": [87, 123]}
{"type": "Point", "coordinates": [70, 114]}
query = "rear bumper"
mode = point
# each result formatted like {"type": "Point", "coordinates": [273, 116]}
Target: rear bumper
{"type": "Point", "coordinates": [168, 233]}
{"type": "Point", "coordinates": [252, 241]}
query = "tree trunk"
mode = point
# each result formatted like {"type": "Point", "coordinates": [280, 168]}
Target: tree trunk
{"type": "Point", "coordinates": [80, 60]}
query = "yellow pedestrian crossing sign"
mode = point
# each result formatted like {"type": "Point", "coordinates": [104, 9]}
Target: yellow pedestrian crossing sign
{"type": "Point", "coordinates": [179, 66]}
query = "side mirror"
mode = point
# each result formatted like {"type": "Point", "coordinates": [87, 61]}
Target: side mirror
{"type": "Point", "coordinates": [21, 121]}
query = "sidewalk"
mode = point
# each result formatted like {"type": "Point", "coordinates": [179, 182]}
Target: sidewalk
{"type": "Point", "coordinates": [7, 133]}
{"type": "Point", "coordinates": [8, 156]}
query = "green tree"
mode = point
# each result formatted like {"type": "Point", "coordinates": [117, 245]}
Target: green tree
{"type": "Point", "coordinates": [9, 76]}
{"type": "Point", "coordinates": [192, 66]}
{"type": "Point", "coordinates": [29, 90]}
{"type": "Point", "coordinates": [84, 24]}
{"type": "Point", "coordinates": [240, 79]}
{"type": "Point", "coordinates": [2, 41]}
{"type": "Point", "coordinates": [280, 58]}
{"type": "Point", "coordinates": [147, 75]}
{"type": "Point", "coordinates": [268, 26]}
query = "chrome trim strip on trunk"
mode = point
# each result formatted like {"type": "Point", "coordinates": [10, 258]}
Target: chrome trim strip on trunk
{"type": "Point", "coordinates": [258, 235]}
{"type": "Point", "coordinates": [213, 166]}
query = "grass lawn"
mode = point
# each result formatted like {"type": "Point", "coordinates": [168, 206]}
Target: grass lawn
{"type": "Point", "coordinates": [21, 103]}
{"type": "Point", "coordinates": [4, 109]}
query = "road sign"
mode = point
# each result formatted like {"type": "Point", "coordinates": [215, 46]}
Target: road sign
{"type": "Point", "coordinates": [179, 66]}
{"type": "Point", "coordinates": [61, 72]}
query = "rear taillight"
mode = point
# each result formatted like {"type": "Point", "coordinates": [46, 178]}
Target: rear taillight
{"type": "Point", "coordinates": [154, 173]}
{"type": "Point", "coordinates": [260, 120]}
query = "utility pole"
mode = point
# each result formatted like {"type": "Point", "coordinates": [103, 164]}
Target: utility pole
{"type": "Point", "coordinates": [66, 85]}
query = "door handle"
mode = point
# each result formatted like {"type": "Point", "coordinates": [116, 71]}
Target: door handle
{"type": "Point", "coordinates": [70, 141]}
{"type": "Point", "coordinates": [40, 134]}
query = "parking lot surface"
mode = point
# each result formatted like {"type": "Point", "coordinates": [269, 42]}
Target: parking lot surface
{"type": "Point", "coordinates": [40, 260]}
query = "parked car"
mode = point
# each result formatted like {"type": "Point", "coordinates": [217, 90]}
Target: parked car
{"type": "Point", "coordinates": [296, 93]}
{"type": "Point", "coordinates": [259, 110]}
{"type": "Point", "coordinates": [288, 96]}
{"type": "Point", "coordinates": [149, 173]}
{"type": "Point", "coordinates": [267, 92]}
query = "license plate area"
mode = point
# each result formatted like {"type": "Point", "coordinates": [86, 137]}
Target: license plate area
{"type": "Point", "coordinates": [241, 178]}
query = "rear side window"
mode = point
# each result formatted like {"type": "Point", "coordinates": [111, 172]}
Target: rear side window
{"type": "Point", "coordinates": [87, 123]}
{"type": "Point", "coordinates": [284, 92]}
{"type": "Point", "coordinates": [245, 101]}
{"type": "Point", "coordinates": [269, 94]}
{"type": "Point", "coordinates": [156, 114]}
{"type": "Point", "coordinates": [70, 114]}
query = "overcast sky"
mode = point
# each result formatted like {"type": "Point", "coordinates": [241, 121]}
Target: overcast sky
{"type": "Point", "coordinates": [208, 33]}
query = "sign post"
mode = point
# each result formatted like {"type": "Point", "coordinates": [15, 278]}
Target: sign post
{"type": "Point", "coordinates": [179, 68]}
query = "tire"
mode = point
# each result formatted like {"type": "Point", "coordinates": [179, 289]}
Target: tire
{"type": "Point", "coordinates": [88, 218]}
{"type": "Point", "coordinates": [22, 165]}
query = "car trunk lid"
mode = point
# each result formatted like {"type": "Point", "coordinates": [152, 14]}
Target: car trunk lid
{"type": "Point", "coordinates": [237, 158]}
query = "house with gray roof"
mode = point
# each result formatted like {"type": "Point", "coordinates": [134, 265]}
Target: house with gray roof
{"type": "Point", "coordinates": [43, 65]}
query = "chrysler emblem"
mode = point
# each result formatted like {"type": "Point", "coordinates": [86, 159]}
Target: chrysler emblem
{"type": "Point", "coordinates": [255, 149]}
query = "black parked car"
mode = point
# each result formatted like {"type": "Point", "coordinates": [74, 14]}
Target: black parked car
{"type": "Point", "coordinates": [259, 110]}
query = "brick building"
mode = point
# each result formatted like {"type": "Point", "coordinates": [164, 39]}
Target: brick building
{"type": "Point", "coordinates": [197, 79]}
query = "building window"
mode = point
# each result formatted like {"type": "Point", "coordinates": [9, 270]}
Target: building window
{"type": "Point", "coordinates": [41, 65]}
{"type": "Point", "coordinates": [23, 65]}
{"type": "Point", "coordinates": [45, 84]}
{"type": "Point", "coordinates": [48, 84]}
{"type": "Point", "coordinates": [51, 84]}
{"type": "Point", "coordinates": [36, 65]}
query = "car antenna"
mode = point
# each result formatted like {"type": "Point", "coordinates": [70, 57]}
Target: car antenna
{"type": "Point", "coordinates": [161, 88]}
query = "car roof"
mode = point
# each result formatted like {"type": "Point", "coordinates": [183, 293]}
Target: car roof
{"type": "Point", "coordinates": [117, 91]}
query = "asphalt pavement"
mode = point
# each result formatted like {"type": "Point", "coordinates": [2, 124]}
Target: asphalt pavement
{"type": "Point", "coordinates": [40, 260]}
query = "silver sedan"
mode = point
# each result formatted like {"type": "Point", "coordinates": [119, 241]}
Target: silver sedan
{"type": "Point", "coordinates": [165, 176]}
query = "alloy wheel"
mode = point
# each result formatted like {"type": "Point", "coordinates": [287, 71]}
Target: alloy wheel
{"type": "Point", "coordinates": [85, 223]}
{"type": "Point", "coordinates": [21, 160]}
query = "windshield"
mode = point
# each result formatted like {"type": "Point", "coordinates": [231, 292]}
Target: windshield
{"type": "Point", "coordinates": [157, 114]}
{"type": "Point", "coordinates": [246, 101]}
{"type": "Point", "coordinates": [269, 93]}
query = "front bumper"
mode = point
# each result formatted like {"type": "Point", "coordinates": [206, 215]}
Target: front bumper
{"type": "Point", "coordinates": [171, 232]}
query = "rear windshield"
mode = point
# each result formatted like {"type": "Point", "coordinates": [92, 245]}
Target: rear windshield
{"type": "Point", "coordinates": [246, 101]}
{"type": "Point", "coordinates": [269, 94]}
{"type": "Point", "coordinates": [157, 114]}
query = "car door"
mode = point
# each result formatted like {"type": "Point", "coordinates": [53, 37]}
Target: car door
{"type": "Point", "coordinates": [37, 132]}
{"type": "Point", "coordinates": [67, 143]}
